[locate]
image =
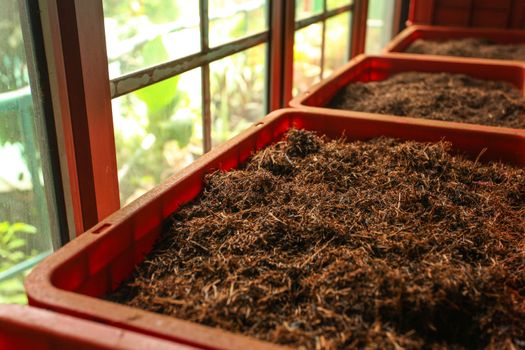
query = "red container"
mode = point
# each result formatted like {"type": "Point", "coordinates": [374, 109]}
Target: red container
{"type": "Point", "coordinates": [404, 39]}
{"type": "Point", "coordinates": [23, 327]}
{"type": "Point", "coordinates": [95, 263]}
{"type": "Point", "coordinates": [468, 13]}
{"type": "Point", "coordinates": [375, 68]}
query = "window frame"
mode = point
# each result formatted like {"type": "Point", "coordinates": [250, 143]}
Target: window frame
{"type": "Point", "coordinates": [74, 41]}
{"type": "Point", "coordinates": [322, 18]}
{"type": "Point", "coordinates": [38, 129]}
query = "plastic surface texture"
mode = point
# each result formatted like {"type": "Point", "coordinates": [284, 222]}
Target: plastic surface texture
{"type": "Point", "coordinates": [468, 13]}
{"type": "Point", "coordinates": [375, 68]}
{"type": "Point", "coordinates": [23, 327]}
{"type": "Point", "coordinates": [404, 39]}
{"type": "Point", "coordinates": [96, 262]}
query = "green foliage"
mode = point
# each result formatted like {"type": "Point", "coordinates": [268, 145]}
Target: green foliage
{"type": "Point", "coordinates": [13, 67]}
{"type": "Point", "coordinates": [12, 291]}
{"type": "Point", "coordinates": [13, 237]}
{"type": "Point", "coordinates": [237, 92]}
{"type": "Point", "coordinates": [162, 95]}
{"type": "Point", "coordinates": [162, 124]}
{"type": "Point", "coordinates": [179, 127]}
{"type": "Point", "coordinates": [247, 22]}
{"type": "Point", "coordinates": [160, 11]}
{"type": "Point", "coordinates": [161, 100]}
{"type": "Point", "coordinates": [158, 129]}
{"type": "Point", "coordinates": [157, 11]}
{"type": "Point", "coordinates": [13, 240]}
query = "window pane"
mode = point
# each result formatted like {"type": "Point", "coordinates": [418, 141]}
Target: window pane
{"type": "Point", "coordinates": [307, 57]}
{"type": "Point", "coordinates": [333, 4]}
{"type": "Point", "coordinates": [140, 34]}
{"type": "Point", "coordinates": [307, 8]}
{"type": "Point", "coordinates": [336, 43]}
{"type": "Point", "coordinates": [379, 25]}
{"type": "Point", "coordinates": [25, 232]}
{"type": "Point", "coordinates": [237, 92]}
{"type": "Point", "coordinates": [235, 19]}
{"type": "Point", "coordinates": [158, 131]}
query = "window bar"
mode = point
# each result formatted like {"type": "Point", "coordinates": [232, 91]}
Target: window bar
{"type": "Point", "coordinates": [24, 265]}
{"type": "Point", "coordinates": [398, 13]}
{"type": "Point", "coordinates": [360, 15]}
{"type": "Point", "coordinates": [351, 34]}
{"type": "Point", "coordinates": [288, 51]}
{"type": "Point", "coordinates": [133, 81]}
{"type": "Point", "coordinates": [205, 76]}
{"type": "Point", "coordinates": [322, 16]}
{"type": "Point", "coordinates": [144, 77]}
{"type": "Point", "coordinates": [323, 41]}
{"type": "Point", "coordinates": [276, 49]}
{"type": "Point", "coordinates": [88, 107]}
{"type": "Point", "coordinates": [267, 59]}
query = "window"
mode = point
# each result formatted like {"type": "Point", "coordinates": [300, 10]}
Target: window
{"type": "Point", "coordinates": [379, 25]}
{"type": "Point", "coordinates": [322, 40]}
{"type": "Point", "coordinates": [186, 76]}
{"type": "Point", "coordinates": [237, 92]}
{"type": "Point", "coordinates": [27, 198]}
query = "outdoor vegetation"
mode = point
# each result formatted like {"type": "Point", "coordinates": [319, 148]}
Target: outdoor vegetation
{"type": "Point", "coordinates": [24, 225]}
{"type": "Point", "coordinates": [158, 129]}
{"type": "Point", "coordinates": [13, 251]}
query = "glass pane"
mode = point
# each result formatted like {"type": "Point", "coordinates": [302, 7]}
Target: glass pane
{"type": "Point", "coordinates": [379, 25]}
{"type": "Point", "coordinates": [235, 19]}
{"type": "Point", "coordinates": [25, 231]}
{"type": "Point", "coordinates": [307, 57]}
{"type": "Point", "coordinates": [307, 8]}
{"type": "Point", "coordinates": [140, 34]}
{"type": "Point", "coordinates": [237, 92]}
{"type": "Point", "coordinates": [158, 131]}
{"type": "Point", "coordinates": [333, 4]}
{"type": "Point", "coordinates": [337, 42]}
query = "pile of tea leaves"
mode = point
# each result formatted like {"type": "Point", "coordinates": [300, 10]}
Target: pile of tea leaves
{"type": "Point", "coordinates": [439, 96]}
{"type": "Point", "coordinates": [326, 244]}
{"type": "Point", "coordinates": [469, 47]}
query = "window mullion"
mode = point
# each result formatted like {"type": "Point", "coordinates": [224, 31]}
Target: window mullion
{"type": "Point", "coordinates": [359, 15]}
{"type": "Point", "coordinates": [305, 22]}
{"type": "Point", "coordinates": [148, 76]}
{"type": "Point", "coordinates": [323, 41]}
{"type": "Point", "coordinates": [351, 19]}
{"type": "Point", "coordinates": [80, 69]}
{"type": "Point", "coordinates": [275, 61]}
{"type": "Point", "coordinates": [288, 51]}
{"type": "Point", "coordinates": [205, 75]}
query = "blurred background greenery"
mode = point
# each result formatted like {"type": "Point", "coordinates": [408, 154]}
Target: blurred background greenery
{"type": "Point", "coordinates": [24, 224]}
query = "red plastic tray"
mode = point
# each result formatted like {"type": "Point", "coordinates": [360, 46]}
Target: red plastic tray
{"type": "Point", "coordinates": [23, 327]}
{"type": "Point", "coordinates": [404, 39]}
{"type": "Point", "coordinates": [375, 68]}
{"type": "Point", "coordinates": [468, 13]}
{"type": "Point", "coordinates": [96, 262]}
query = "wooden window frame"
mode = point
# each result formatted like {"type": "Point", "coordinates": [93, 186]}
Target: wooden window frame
{"type": "Point", "coordinates": [81, 90]}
